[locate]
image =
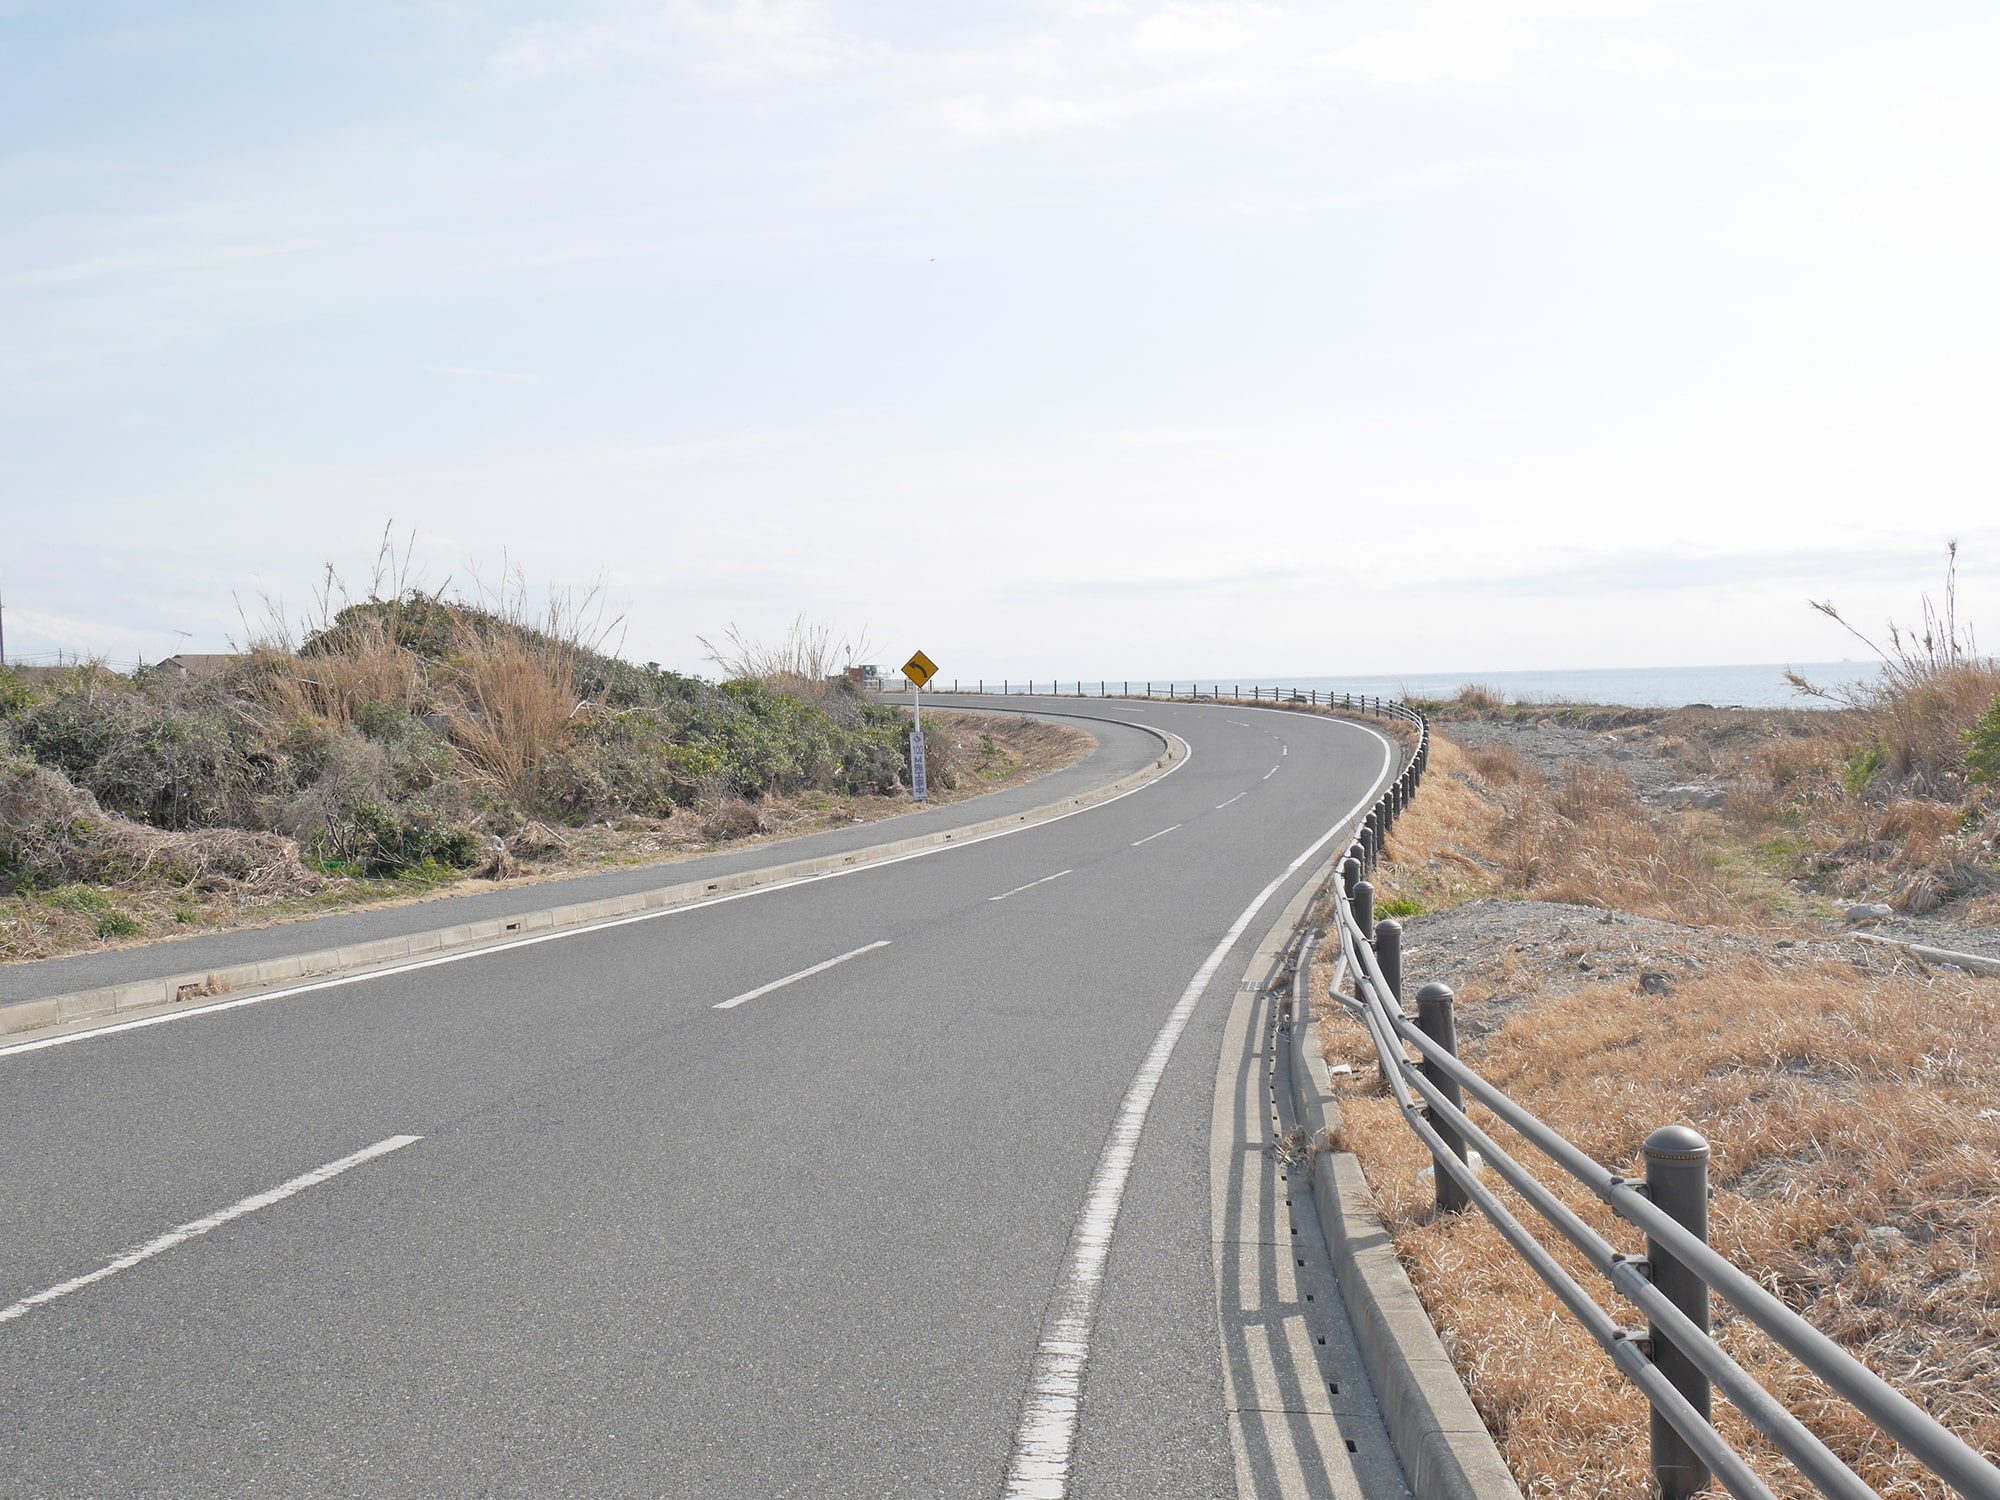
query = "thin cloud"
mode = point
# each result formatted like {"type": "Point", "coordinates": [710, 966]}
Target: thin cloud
{"type": "Point", "coordinates": [478, 372]}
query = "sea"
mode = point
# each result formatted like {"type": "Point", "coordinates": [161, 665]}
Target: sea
{"type": "Point", "coordinates": [1764, 686]}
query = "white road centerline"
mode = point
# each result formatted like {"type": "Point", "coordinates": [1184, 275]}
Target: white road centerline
{"type": "Point", "coordinates": [1045, 1433]}
{"type": "Point", "coordinates": [1270, 773]}
{"type": "Point", "coordinates": [1030, 885]}
{"type": "Point", "coordinates": [1151, 836]}
{"type": "Point", "coordinates": [1237, 798]}
{"type": "Point", "coordinates": [819, 968]}
{"type": "Point", "coordinates": [197, 1227]}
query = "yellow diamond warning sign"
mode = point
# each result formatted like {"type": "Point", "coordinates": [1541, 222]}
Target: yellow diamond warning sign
{"type": "Point", "coordinates": [920, 669]}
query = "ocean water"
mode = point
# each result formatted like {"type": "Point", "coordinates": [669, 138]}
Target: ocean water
{"type": "Point", "coordinates": [1630, 687]}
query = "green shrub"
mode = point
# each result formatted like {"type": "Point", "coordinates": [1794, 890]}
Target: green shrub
{"type": "Point", "coordinates": [378, 840]}
{"type": "Point", "coordinates": [168, 764]}
{"type": "Point", "coordinates": [1863, 767]}
{"type": "Point", "coordinates": [385, 723]}
{"type": "Point", "coordinates": [16, 694]}
{"type": "Point", "coordinates": [76, 898]}
{"type": "Point", "coordinates": [1982, 741]}
{"type": "Point", "coordinates": [1401, 907]}
{"type": "Point", "coordinates": [116, 924]}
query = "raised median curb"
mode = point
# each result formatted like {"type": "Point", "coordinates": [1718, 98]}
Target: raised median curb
{"type": "Point", "coordinates": [174, 989]}
{"type": "Point", "coordinates": [1446, 1451]}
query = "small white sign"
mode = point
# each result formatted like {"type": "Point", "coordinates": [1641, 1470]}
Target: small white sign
{"type": "Point", "coordinates": [917, 786]}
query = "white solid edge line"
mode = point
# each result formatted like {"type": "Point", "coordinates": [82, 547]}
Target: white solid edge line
{"type": "Point", "coordinates": [338, 980]}
{"type": "Point", "coordinates": [1151, 836]}
{"type": "Point", "coordinates": [1270, 773]}
{"type": "Point", "coordinates": [1045, 1437]}
{"type": "Point", "coordinates": [1031, 885]}
{"type": "Point", "coordinates": [819, 968]}
{"type": "Point", "coordinates": [198, 1227]}
{"type": "Point", "coordinates": [1237, 798]}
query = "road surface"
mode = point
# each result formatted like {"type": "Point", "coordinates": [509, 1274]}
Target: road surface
{"type": "Point", "coordinates": [792, 1194]}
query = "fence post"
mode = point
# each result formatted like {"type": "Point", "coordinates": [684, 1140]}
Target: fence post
{"type": "Point", "coordinates": [1436, 1020]}
{"type": "Point", "coordinates": [1350, 871]}
{"type": "Point", "coordinates": [1677, 1182]}
{"type": "Point", "coordinates": [1363, 901]}
{"type": "Point", "coordinates": [1389, 954]}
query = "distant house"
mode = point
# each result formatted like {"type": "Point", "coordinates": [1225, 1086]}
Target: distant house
{"type": "Point", "coordinates": [196, 664]}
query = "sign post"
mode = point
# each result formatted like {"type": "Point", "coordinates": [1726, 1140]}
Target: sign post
{"type": "Point", "coordinates": [919, 669]}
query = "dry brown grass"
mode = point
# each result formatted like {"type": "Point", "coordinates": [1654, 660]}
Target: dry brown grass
{"type": "Point", "coordinates": [1932, 687]}
{"type": "Point", "coordinates": [1837, 1101]}
{"type": "Point", "coordinates": [335, 685]}
{"type": "Point", "coordinates": [511, 698]}
{"type": "Point", "coordinates": [1441, 851]}
{"type": "Point", "coordinates": [1588, 840]}
{"type": "Point", "coordinates": [1485, 822]}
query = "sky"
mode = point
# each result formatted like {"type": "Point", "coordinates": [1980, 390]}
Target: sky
{"type": "Point", "coordinates": [1085, 338]}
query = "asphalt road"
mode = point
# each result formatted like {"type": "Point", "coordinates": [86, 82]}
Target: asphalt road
{"type": "Point", "coordinates": [640, 1245]}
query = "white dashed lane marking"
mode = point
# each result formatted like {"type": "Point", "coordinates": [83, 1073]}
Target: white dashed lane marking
{"type": "Point", "coordinates": [1030, 885]}
{"type": "Point", "coordinates": [819, 968]}
{"type": "Point", "coordinates": [195, 1228]}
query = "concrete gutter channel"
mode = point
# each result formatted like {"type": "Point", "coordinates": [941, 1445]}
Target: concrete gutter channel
{"type": "Point", "coordinates": [149, 995]}
{"type": "Point", "coordinates": [1446, 1450]}
{"type": "Point", "coordinates": [1439, 1440]}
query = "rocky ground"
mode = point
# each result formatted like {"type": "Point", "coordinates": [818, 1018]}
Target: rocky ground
{"type": "Point", "coordinates": [1498, 955]}
{"type": "Point", "coordinates": [1693, 761]}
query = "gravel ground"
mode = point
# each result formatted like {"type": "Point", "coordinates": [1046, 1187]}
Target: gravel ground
{"type": "Point", "coordinates": [1498, 954]}
{"type": "Point", "coordinates": [1549, 746]}
{"type": "Point", "coordinates": [1634, 745]}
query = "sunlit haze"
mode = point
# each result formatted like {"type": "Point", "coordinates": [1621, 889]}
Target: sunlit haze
{"type": "Point", "coordinates": [1078, 337]}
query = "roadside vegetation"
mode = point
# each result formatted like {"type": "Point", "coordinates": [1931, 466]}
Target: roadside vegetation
{"type": "Point", "coordinates": [1649, 918]}
{"type": "Point", "coordinates": [408, 740]}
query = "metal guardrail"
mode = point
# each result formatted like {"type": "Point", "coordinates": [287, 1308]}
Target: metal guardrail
{"type": "Point", "coordinates": [1178, 692]}
{"type": "Point", "coordinates": [1674, 1361]}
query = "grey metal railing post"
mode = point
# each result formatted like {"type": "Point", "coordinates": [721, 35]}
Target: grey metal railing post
{"type": "Point", "coordinates": [1350, 871]}
{"type": "Point", "coordinates": [1677, 1183]}
{"type": "Point", "coordinates": [1437, 1020]}
{"type": "Point", "coordinates": [1363, 901]}
{"type": "Point", "coordinates": [1389, 955]}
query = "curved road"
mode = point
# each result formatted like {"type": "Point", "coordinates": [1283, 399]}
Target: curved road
{"type": "Point", "coordinates": [620, 1236]}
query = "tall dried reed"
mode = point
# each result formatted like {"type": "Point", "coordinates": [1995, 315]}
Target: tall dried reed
{"type": "Point", "coordinates": [1932, 687]}
{"type": "Point", "coordinates": [800, 663]}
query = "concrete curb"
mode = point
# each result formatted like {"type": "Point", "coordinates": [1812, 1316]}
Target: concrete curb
{"type": "Point", "coordinates": [146, 994]}
{"type": "Point", "coordinates": [1446, 1451]}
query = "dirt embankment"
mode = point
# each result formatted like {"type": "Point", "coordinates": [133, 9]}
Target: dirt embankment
{"type": "Point", "coordinates": [1645, 919]}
